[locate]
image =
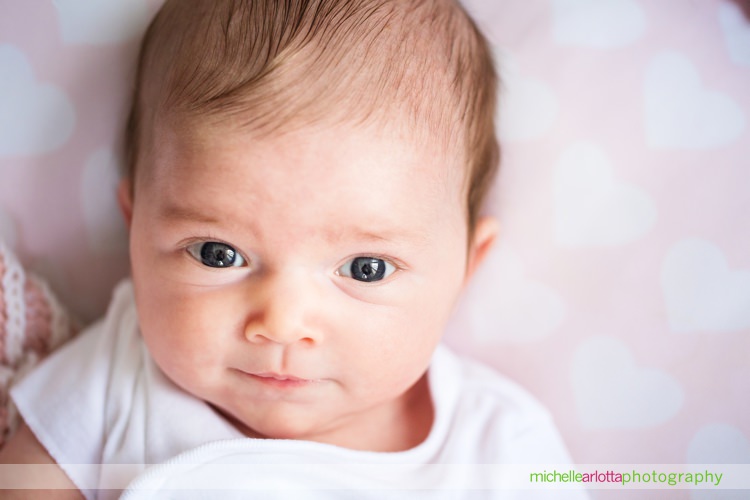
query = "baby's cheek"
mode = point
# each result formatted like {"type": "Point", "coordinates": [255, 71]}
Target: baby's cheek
{"type": "Point", "coordinates": [391, 341]}
{"type": "Point", "coordinates": [184, 343]}
{"type": "Point", "coordinates": [173, 320]}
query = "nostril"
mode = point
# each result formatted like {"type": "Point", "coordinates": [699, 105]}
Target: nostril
{"type": "Point", "coordinates": [255, 334]}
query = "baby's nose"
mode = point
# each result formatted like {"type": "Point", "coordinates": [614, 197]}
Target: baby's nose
{"type": "Point", "coordinates": [285, 312]}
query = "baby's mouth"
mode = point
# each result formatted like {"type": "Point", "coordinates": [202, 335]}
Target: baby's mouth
{"type": "Point", "coordinates": [276, 376]}
{"type": "Point", "coordinates": [278, 380]}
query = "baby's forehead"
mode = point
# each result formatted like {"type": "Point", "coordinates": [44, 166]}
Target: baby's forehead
{"type": "Point", "coordinates": [321, 160]}
{"type": "Point", "coordinates": [317, 183]}
{"type": "Point", "coordinates": [313, 145]}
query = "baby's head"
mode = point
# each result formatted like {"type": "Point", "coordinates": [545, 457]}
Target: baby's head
{"type": "Point", "coordinates": [304, 177]}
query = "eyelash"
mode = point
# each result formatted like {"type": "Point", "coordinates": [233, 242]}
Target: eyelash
{"type": "Point", "coordinates": [209, 238]}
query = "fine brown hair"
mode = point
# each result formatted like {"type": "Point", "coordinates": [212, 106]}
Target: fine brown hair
{"type": "Point", "coordinates": [273, 65]}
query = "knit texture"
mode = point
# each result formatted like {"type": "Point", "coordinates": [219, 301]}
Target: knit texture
{"type": "Point", "coordinates": [32, 324]}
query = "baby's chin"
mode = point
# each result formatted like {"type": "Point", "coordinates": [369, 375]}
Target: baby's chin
{"type": "Point", "coordinates": [316, 428]}
{"type": "Point", "coordinates": [280, 425]}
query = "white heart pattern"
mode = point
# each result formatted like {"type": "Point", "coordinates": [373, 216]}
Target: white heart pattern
{"type": "Point", "coordinates": [592, 208]}
{"type": "Point", "coordinates": [680, 113]}
{"type": "Point", "coordinates": [36, 118]}
{"type": "Point", "coordinates": [599, 24]}
{"type": "Point", "coordinates": [527, 108]}
{"type": "Point", "coordinates": [612, 392]}
{"type": "Point", "coordinates": [100, 23]}
{"type": "Point", "coordinates": [701, 292]}
{"type": "Point", "coordinates": [718, 443]}
{"type": "Point", "coordinates": [736, 29]}
{"type": "Point", "coordinates": [504, 305]}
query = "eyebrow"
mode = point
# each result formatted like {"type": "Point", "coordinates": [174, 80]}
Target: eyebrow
{"type": "Point", "coordinates": [177, 212]}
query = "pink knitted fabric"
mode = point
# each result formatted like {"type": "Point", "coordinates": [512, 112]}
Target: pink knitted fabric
{"type": "Point", "coordinates": [32, 323]}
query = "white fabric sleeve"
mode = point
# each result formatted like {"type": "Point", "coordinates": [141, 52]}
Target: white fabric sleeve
{"type": "Point", "coordinates": [63, 399]}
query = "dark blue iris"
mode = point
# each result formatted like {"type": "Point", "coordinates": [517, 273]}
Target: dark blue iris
{"type": "Point", "coordinates": [367, 269]}
{"type": "Point", "coordinates": [215, 254]}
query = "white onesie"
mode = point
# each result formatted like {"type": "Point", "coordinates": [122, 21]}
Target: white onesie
{"type": "Point", "coordinates": [102, 400]}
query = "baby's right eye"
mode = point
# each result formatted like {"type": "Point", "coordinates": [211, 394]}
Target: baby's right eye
{"type": "Point", "coordinates": [216, 254]}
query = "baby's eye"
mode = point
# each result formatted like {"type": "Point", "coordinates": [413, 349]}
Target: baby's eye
{"type": "Point", "coordinates": [215, 254]}
{"type": "Point", "coordinates": [367, 269]}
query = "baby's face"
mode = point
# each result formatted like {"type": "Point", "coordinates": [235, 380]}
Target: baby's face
{"type": "Point", "coordinates": [300, 283]}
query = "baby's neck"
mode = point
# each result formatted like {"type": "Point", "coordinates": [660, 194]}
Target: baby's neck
{"type": "Point", "coordinates": [397, 427]}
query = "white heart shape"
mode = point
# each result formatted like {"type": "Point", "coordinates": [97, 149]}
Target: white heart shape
{"type": "Point", "coordinates": [104, 224]}
{"type": "Point", "coordinates": [718, 443]}
{"type": "Point", "coordinates": [7, 229]}
{"type": "Point", "coordinates": [102, 22]}
{"type": "Point", "coordinates": [680, 113]}
{"type": "Point", "coordinates": [36, 118]}
{"type": "Point", "coordinates": [592, 208]}
{"type": "Point", "coordinates": [527, 108]}
{"type": "Point", "coordinates": [504, 305]}
{"type": "Point", "coordinates": [701, 292]}
{"type": "Point", "coordinates": [600, 24]}
{"type": "Point", "coordinates": [736, 30]}
{"type": "Point", "coordinates": [612, 392]}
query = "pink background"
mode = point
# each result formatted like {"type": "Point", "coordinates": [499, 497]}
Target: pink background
{"type": "Point", "coordinates": [619, 293]}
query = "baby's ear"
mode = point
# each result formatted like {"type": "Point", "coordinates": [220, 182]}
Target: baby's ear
{"type": "Point", "coordinates": [485, 234]}
{"type": "Point", "coordinates": [125, 200]}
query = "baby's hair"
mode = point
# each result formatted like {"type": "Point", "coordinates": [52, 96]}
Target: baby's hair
{"type": "Point", "coordinates": [276, 65]}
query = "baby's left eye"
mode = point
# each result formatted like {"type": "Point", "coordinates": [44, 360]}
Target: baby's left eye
{"type": "Point", "coordinates": [216, 254]}
{"type": "Point", "coordinates": [367, 269]}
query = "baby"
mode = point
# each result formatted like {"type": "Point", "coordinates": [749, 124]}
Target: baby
{"type": "Point", "coordinates": [302, 197]}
